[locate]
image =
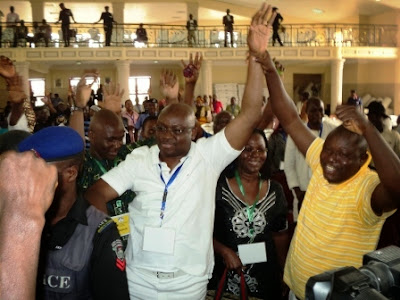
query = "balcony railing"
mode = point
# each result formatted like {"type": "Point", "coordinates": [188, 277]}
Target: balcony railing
{"type": "Point", "coordinates": [314, 35]}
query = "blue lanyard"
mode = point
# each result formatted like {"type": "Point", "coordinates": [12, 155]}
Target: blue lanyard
{"type": "Point", "coordinates": [320, 129]}
{"type": "Point", "coordinates": [170, 181]}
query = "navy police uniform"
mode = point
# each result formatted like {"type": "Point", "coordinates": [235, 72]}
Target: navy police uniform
{"type": "Point", "coordinates": [81, 256]}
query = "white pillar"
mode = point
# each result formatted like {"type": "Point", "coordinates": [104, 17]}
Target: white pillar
{"type": "Point", "coordinates": [336, 80]}
{"type": "Point", "coordinates": [206, 79]}
{"type": "Point", "coordinates": [192, 8]}
{"type": "Point", "coordinates": [22, 69]}
{"type": "Point", "coordinates": [118, 15]}
{"type": "Point", "coordinates": [123, 72]}
{"type": "Point", "coordinates": [37, 10]}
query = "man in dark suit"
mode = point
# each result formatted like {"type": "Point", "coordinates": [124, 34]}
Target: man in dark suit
{"type": "Point", "coordinates": [108, 24]}
{"type": "Point", "coordinates": [191, 26]}
{"type": "Point", "coordinates": [228, 26]}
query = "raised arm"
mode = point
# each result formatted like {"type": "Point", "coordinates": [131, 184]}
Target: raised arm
{"type": "Point", "coordinates": [283, 107]}
{"type": "Point", "coordinates": [240, 129]}
{"type": "Point", "coordinates": [169, 86]}
{"type": "Point", "coordinates": [191, 77]}
{"type": "Point", "coordinates": [81, 98]}
{"type": "Point", "coordinates": [386, 195]}
{"type": "Point", "coordinates": [25, 196]}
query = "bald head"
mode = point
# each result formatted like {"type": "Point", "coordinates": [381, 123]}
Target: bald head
{"type": "Point", "coordinates": [181, 110]}
{"type": "Point", "coordinates": [221, 120]}
{"type": "Point", "coordinates": [106, 134]}
{"type": "Point", "coordinates": [104, 118]}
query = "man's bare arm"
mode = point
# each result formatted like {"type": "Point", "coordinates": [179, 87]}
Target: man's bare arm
{"type": "Point", "coordinates": [99, 194]}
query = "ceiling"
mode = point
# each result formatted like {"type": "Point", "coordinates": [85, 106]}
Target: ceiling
{"type": "Point", "coordinates": [211, 12]}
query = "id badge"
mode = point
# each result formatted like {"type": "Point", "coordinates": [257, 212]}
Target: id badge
{"type": "Point", "coordinates": [122, 222]}
{"type": "Point", "coordinates": [252, 253]}
{"type": "Point", "coordinates": [158, 239]}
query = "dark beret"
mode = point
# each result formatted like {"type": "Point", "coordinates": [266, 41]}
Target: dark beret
{"type": "Point", "coordinates": [54, 143]}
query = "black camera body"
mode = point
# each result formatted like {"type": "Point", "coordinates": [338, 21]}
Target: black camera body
{"type": "Point", "coordinates": [378, 278]}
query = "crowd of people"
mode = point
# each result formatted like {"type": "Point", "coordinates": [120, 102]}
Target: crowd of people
{"type": "Point", "coordinates": [138, 202]}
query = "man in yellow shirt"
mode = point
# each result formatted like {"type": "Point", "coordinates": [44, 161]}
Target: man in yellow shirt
{"type": "Point", "coordinates": [346, 203]}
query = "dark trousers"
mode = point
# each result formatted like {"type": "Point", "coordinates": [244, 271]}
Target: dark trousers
{"type": "Point", "coordinates": [276, 37]}
{"type": "Point", "coordinates": [66, 34]}
{"type": "Point", "coordinates": [226, 37]}
{"type": "Point", "coordinates": [108, 33]}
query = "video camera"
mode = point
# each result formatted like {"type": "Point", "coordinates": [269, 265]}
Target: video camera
{"type": "Point", "coordinates": [378, 278]}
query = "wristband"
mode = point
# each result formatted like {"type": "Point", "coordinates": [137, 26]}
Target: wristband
{"type": "Point", "coordinates": [76, 108]}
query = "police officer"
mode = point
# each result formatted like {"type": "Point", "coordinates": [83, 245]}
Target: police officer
{"type": "Point", "coordinates": [81, 254]}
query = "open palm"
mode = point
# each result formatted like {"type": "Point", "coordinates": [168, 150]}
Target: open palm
{"type": "Point", "coordinates": [169, 85]}
{"type": "Point", "coordinates": [112, 98]}
{"type": "Point", "coordinates": [260, 30]}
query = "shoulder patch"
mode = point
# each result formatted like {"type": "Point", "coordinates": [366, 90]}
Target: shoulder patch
{"type": "Point", "coordinates": [104, 224]}
{"type": "Point", "coordinates": [118, 249]}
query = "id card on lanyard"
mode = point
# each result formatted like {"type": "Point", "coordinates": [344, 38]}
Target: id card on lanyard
{"type": "Point", "coordinates": [159, 239]}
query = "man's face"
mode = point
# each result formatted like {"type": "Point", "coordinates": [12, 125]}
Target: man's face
{"type": "Point", "coordinates": [233, 101]}
{"type": "Point", "coordinates": [129, 105]}
{"type": "Point", "coordinates": [149, 129]}
{"type": "Point", "coordinates": [340, 158]}
{"type": "Point", "coordinates": [174, 134]}
{"type": "Point", "coordinates": [106, 140]}
{"type": "Point", "coordinates": [315, 113]}
{"type": "Point", "coordinates": [152, 108]}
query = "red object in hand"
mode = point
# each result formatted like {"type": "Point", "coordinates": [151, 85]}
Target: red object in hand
{"type": "Point", "coordinates": [188, 71]}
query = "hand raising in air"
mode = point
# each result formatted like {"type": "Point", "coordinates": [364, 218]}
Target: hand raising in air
{"type": "Point", "coordinates": [169, 86]}
{"type": "Point", "coordinates": [16, 92]}
{"type": "Point", "coordinates": [352, 118]}
{"type": "Point", "coordinates": [191, 71]}
{"type": "Point", "coordinates": [7, 68]}
{"type": "Point", "coordinates": [83, 90]}
{"type": "Point", "coordinates": [112, 98]}
{"type": "Point", "coordinates": [260, 30]}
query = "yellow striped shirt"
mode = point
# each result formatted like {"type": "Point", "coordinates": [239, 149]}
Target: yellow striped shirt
{"type": "Point", "coordinates": [336, 224]}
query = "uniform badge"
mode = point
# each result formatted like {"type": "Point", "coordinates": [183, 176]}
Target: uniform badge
{"type": "Point", "coordinates": [118, 248]}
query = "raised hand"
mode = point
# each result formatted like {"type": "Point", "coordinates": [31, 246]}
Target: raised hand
{"type": "Point", "coordinates": [260, 30]}
{"type": "Point", "coordinates": [352, 118]}
{"type": "Point", "coordinates": [7, 68]}
{"type": "Point", "coordinates": [112, 98]}
{"type": "Point", "coordinates": [26, 183]}
{"type": "Point", "coordinates": [83, 90]}
{"type": "Point", "coordinates": [16, 92]}
{"type": "Point", "coordinates": [169, 85]}
{"type": "Point", "coordinates": [194, 66]}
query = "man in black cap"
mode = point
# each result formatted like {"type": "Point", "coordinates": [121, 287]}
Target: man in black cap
{"type": "Point", "coordinates": [81, 252]}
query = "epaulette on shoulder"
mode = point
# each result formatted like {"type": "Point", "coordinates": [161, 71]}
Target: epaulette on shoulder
{"type": "Point", "coordinates": [104, 224]}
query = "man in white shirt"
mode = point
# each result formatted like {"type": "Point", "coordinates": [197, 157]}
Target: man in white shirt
{"type": "Point", "coordinates": [170, 251]}
{"type": "Point", "coordinates": [12, 19]}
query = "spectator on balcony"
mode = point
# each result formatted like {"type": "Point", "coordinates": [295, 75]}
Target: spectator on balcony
{"type": "Point", "coordinates": [191, 26]}
{"type": "Point", "coordinates": [21, 33]}
{"type": "Point", "coordinates": [12, 19]}
{"type": "Point", "coordinates": [141, 34]}
{"type": "Point", "coordinates": [108, 24]}
{"type": "Point", "coordinates": [65, 15]}
{"type": "Point", "coordinates": [228, 27]}
{"type": "Point", "coordinates": [44, 33]}
{"type": "Point", "coordinates": [275, 27]}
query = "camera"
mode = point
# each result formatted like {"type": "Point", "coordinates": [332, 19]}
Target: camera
{"type": "Point", "coordinates": [378, 278]}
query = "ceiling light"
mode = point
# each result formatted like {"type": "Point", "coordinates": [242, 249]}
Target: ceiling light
{"type": "Point", "coordinates": [317, 11]}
